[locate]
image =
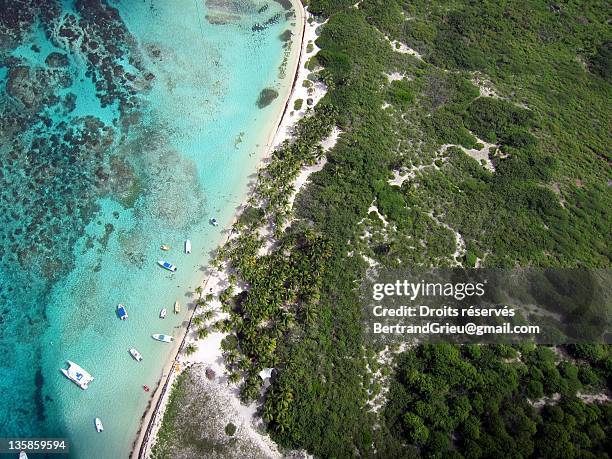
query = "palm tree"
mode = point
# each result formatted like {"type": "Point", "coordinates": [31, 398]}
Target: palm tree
{"type": "Point", "coordinates": [208, 314]}
{"type": "Point", "coordinates": [200, 302]}
{"type": "Point", "coordinates": [227, 294]}
{"type": "Point", "coordinates": [190, 349]}
{"type": "Point", "coordinates": [203, 333]}
{"type": "Point", "coordinates": [243, 364]}
{"type": "Point", "coordinates": [199, 290]}
{"type": "Point", "coordinates": [209, 297]}
{"type": "Point", "coordinates": [231, 357]}
{"type": "Point", "coordinates": [233, 378]}
{"type": "Point", "coordinates": [309, 313]}
{"type": "Point", "coordinates": [198, 320]}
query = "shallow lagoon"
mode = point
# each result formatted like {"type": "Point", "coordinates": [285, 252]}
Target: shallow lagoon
{"type": "Point", "coordinates": [99, 168]}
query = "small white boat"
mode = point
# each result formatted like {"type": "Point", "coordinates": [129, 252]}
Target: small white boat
{"type": "Point", "coordinates": [165, 247]}
{"type": "Point", "coordinates": [77, 375]}
{"type": "Point", "coordinates": [177, 307]}
{"type": "Point", "coordinates": [135, 354]}
{"type": "Point", "coordinates": [187, 246]}
{"type": "Point", "coordinates": [213, 222]}
{"type": "Point", "coordinates": [166, 265]}
{"type": "Point", "coordinates": [162, 338]}
{"type": "Point", "coordinates": [23, 455]}
{"type": "Point", "coordinates": [99, 426]}
{"type": "Point", "coordinates": [162, 313]}
{"type": "Point", "coordinates": [122, 312]}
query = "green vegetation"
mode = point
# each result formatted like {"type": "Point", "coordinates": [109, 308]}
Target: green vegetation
{"type": "Point", "coordinates": [297, 105]}
{"type": "Point", "coordinates": [190, 349]}
{"type": "Point", "coordinates": [400, 93]}
{"type": "Point", "coordinates": [601, 61]}
{"type": "Point", "coordinates": [311, 64]}
{"type": "Point", "coordinates": [471, 401]}
{"type": "Point", "coordinates": [230, 429]}
{"type": "Point", "coordinates": [546, 203]}
{"type": "Point", "coordinates": [167, 435]}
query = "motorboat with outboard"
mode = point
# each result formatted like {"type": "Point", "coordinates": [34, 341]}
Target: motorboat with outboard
{"type": "Point", "coordinates": [166, 265]}
{"type": "Point", "coordinates": [162, 338]}
{"type": "Point", "coordinates": [99, 426]}
{"type": "Point", "coordinates": [135, 354]}
{"type": "Point", "coordinates": [122, 312]}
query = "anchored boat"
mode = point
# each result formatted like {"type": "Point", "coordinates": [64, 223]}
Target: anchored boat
{"type": "Point", "coordinates": [122, 312]}
{"type": "Point", "coordinates": [166, 265]}
{"type": "Point", "coordinates": [162, 338]}
{"type": "Point", "coordinates": [213, 222]}
{"type": "Point", "coordinates": [77, 375]}
{"type": "Point", "coordinates": [165, 247]}
{"type": "Point", "coordinates": [162, 313]}
{"type": "Point", "coordinates": [99, 426]}
{"type": "Point", "coordinates": [177, 307]}
{"type": "Point", "coordinates": [187, 246]}
{"type": "Point", "coordinates": [135, 354]}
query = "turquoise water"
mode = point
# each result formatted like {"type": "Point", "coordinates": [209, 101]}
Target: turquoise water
{"type": "Point", "coordinates": [126, 125]}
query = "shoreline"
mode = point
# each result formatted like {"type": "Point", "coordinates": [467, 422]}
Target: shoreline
{"type": "Point", "coordinates": [151, 418]}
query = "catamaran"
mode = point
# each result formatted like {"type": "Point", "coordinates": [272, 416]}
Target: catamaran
{"type": "Point", "coordinates": [99, 426]}
{"type": "Point", "coordinates": [177, 307]}
{"type": "Point", "coordinates": [122, 312]}
{"type": "Point", "coordinates": [77, 375]}
{"type": "Point", "coordinates": [162, 338]}
{"type": "Point", "coordinates": [135, 354]}
{"type": "Point", "coordinates": [162, 313]}
{"type": "Point", "coordinates": [187, 246]}
{"type": "Point", "coordinates": [166, 265]}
